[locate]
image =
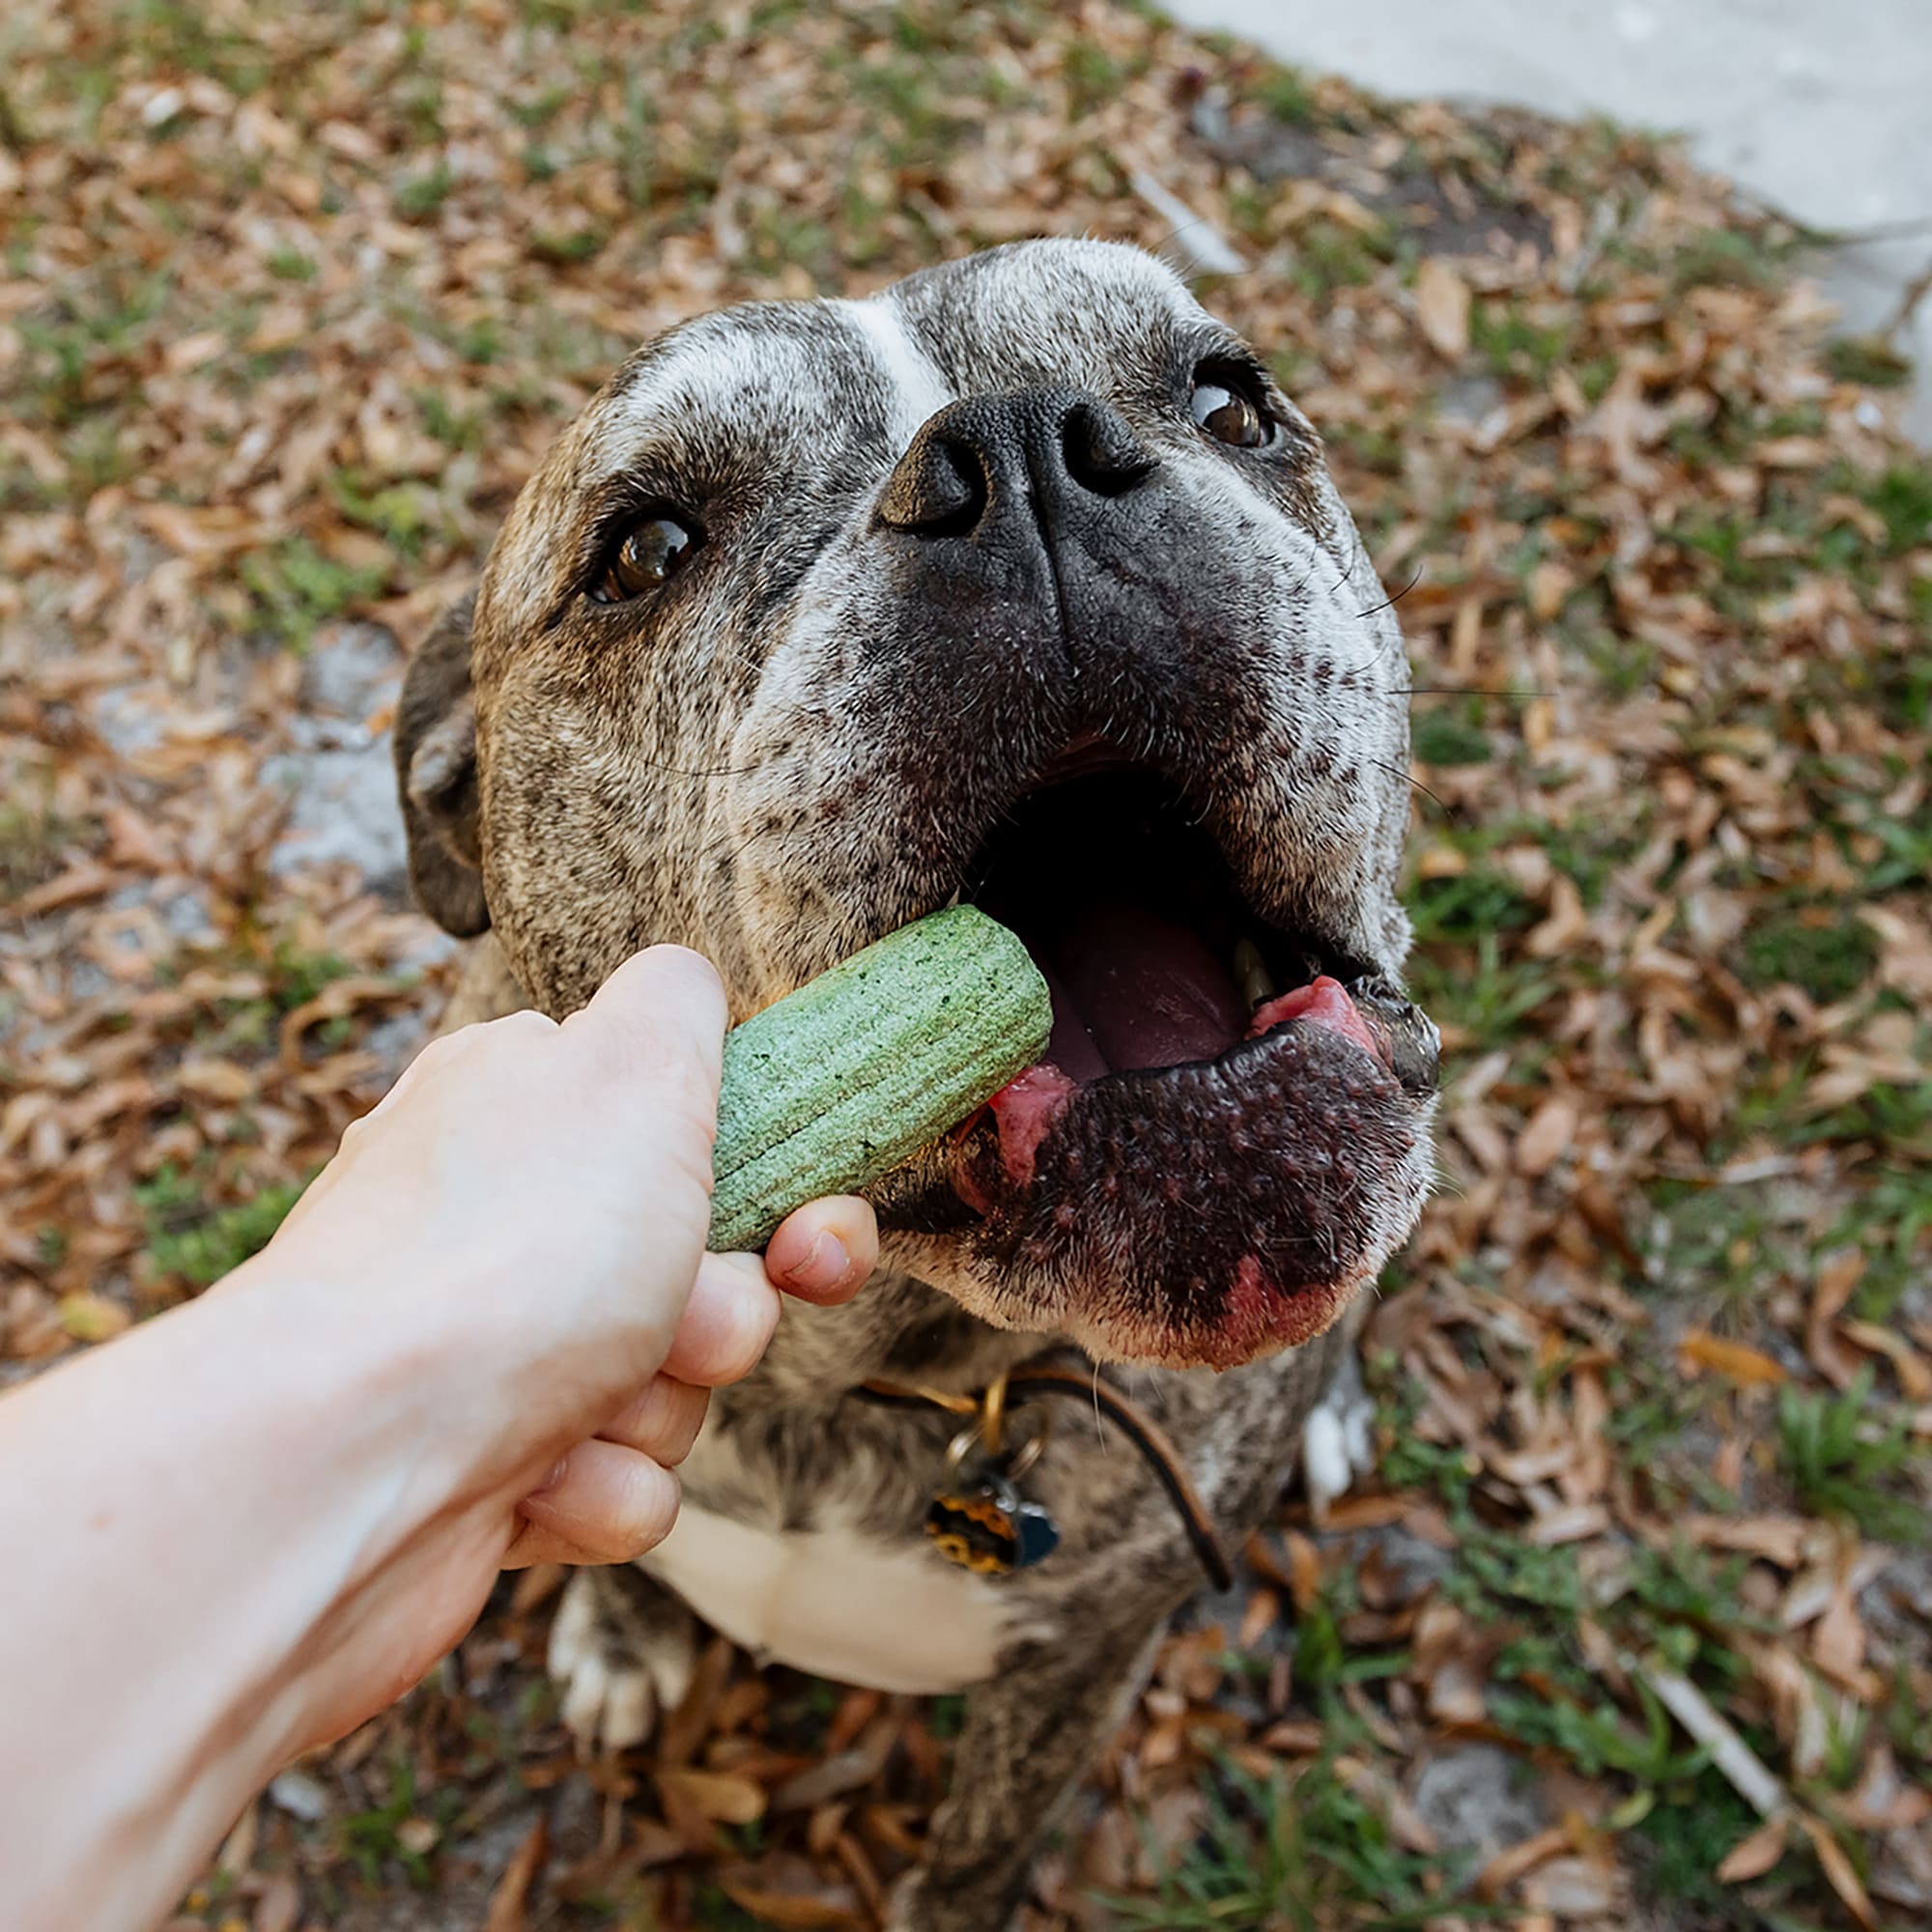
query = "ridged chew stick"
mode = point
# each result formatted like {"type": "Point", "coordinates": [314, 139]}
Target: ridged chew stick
{"type": "Point", "coordinates": [851, 1075]}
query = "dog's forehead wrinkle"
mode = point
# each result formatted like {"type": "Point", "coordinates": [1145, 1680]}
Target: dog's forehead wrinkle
{"type": "Point", "coordinates": [745, 382]}
{"type": "Point", "coordinates": [1096, 315]}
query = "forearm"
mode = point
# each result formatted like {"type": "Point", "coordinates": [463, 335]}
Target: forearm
{"type": "Point", "coordinates": [247, 1527]}
{"type": "Point", "coordinates": [223, 1480]}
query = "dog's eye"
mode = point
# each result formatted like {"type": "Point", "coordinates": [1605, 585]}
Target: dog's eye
{"type": "Point", "coordinates": [652, 552]}
{"type": "Point", "coordinates": [1229, 413]}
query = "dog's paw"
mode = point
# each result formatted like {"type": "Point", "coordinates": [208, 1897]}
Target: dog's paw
{"type": "Point", "coordinates": [622, 1651]}
{"type": "Point", "coordinates": [1338, 1439]}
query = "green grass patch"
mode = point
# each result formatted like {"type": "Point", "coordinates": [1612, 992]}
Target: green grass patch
{"type": "Point", "coordinates": [1894, 1117]}
{"type": "Point", "coordinates": [1330, 255]}
{"type": "Point", "coordinates": [295, 587]}
{"type": "Point", "coordinates": [1869, 360]}
{"type": "Point", "coordinates": [419, 196]}
{"type": "Point", "coordinates": [1889, 1222]}
{"type": "Point", "coordinates": [375, 1839]}
{"type": "Point", "coordinates": [1725, 258]}
{"type": "Point", "coordinates": [34, 837]}
{"type": "Point", "coordinates": [1461, 970]}
{"type": "Point", "coordinates": [1517, 344]}
{"type": "Point", "coordinates": [1843, 1460]}
{"type": "Point", "coordinates": [563, 246]}
{"type": "Point", "coordinates": [188, 1239]}
{"type": "Point", "coordinates": [1902, 496]}
{"type": "Point", "coordinates": [401, 514]}
{"type": "Point", "coordinates": [1684, 1837]}
{"type": "Point", "coordinates": [1471, 905]}
{"type": "Point", "coordinates": [1825, 950]}
{"type": "Point", "coordinates": [1441, 737]}
{"type": "Point", "coordinates": [1286, 94]}
{"type": "Point", "coordinates": [1289, 1853]}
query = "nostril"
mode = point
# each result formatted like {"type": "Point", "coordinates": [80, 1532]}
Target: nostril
{"type": "Point", "coordinates": [938, 490]}
{"type": "Point", "coordinates": [1100, 452]}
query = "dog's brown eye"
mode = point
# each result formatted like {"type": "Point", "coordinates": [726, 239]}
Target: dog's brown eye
{"type": "Point", "coordinates": [650, 555]}
{"type": "Point", "coordinates": [1229, 415]}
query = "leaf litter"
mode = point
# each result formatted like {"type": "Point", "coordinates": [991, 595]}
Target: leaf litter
{"type": "Point", "coordinates": [292, 299]}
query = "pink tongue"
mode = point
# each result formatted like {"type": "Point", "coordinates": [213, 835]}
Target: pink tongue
{"type": "Point", "coordinates": [1148, 992]}
{"type": "Point", "coordinates": [1322, 1002]}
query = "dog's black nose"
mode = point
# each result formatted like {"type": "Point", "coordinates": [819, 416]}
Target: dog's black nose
{"type": "Point", "coordinates": [1058, 449]}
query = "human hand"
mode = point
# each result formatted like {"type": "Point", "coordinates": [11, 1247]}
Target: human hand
{"type": "Point", "coordinates": [522, 1221]}
{"type": "Point", "coordinates": [484, 1335]}
{"type": "Point", "coordinates": [613, 1497]}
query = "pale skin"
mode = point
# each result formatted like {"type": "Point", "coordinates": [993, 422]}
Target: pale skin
{"type": "Point", "coordinates": [483, 1339]}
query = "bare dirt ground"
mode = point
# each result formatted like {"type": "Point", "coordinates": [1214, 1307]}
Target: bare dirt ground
{"type": "Point", "coordinates": [1631, 1628]}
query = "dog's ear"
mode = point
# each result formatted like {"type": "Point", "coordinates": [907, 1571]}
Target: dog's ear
{"type": "Point", "coordinates": [436, 773]}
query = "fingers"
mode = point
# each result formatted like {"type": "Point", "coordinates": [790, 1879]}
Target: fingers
{"type": "Point", "coordinates": [823, 1253]}
{"type": "Point", "coordinates": [607, 1502]}
{"type": "Point", "coordinates": [826, 1251]}
{"type": "Point", "coordinates": [662, 1422]}
{"type": "Point", "coordinates": [608, 1508]}
{"type": "Point", "coordinates": [727, 1322]}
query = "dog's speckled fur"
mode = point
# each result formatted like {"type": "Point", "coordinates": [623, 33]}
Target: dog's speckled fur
{"type": "Point", "coordinates": [800, 742]}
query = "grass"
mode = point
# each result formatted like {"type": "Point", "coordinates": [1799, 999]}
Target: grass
{"type": "Point", "coordinates": [1463, 967]}
{"type": "Point", "coordinates": [1725, 258]}
{"type": "Point", "coordinates": [1828, 950]}
{"type": "Point", "coordinates": [390, 1833]}
{"type": "Point", "coordinates": [34, 835]}
{"type": "Point", "coordinates": [295, 587]}
{"type": "Point", "coordinates": [1288, 96]}
{"type": "Point", "coordinates": [419, 196]}
{"type": "Point", "coordinates": [1844, 1461]}
{"type": "Point", "coordinates": [1438, 737]}
{"type": "Point", "coordinates": [1281, 1854]}
{"type": "Point", "coordinates": [188, 1241]}
{"type": "Point", "coordinates": [1887, 1115]}
{"type": "Point", "coordinates": [1469, 906]}
{"type": "Point", "coordinates": [1902, 496]}
{"type": "Point", "coordinates": [1720, 1242]}
{"type": "Point", "coordinates": [1889, 1222]}
{"type": "Point", "coordinates": [1329, 256]}
{"type": "Point", "coordinates": [1869, 361]}
{"type": "Point", "coordinates": [1684, 1838]}
{"type": "Point", "coordinates": [1515, 344]}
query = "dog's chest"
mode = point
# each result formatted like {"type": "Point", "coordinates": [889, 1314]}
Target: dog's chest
{"type": "Point", "coordinates": [834, 1598]}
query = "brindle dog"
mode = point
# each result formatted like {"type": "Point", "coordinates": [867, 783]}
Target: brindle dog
{"type": "Point", "coordinates": [1020, 582]}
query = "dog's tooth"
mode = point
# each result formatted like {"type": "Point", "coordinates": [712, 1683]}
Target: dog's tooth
{"type": "Point", "coordinates": [1251, 971]}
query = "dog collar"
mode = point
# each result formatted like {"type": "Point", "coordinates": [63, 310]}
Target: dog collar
{"type": "Point", "coordinates": [981, 1519]}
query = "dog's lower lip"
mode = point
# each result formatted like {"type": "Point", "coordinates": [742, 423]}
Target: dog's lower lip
{"type": "Point", "coordinates": [1202, 1213]}
{"type": "Point", "coordinates": [1025, 1108]}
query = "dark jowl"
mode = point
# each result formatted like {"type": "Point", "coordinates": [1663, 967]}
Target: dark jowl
{"type": "Point", "coordinates": [1201, 1162]}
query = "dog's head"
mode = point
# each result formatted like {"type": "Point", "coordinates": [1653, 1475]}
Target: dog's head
{"type": "Point", "coordinates": [1023, 582]}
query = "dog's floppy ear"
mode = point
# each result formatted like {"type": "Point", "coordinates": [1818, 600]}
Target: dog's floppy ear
{"type": "Point", "coordinates": [436, 773]}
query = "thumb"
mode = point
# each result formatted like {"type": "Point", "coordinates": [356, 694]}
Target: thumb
{"type": "Point", "coordinates": [651, 1039]}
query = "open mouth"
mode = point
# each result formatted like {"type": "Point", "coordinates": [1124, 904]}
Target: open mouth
{"type": "Point", "coordinates": [1131, 913]}
{"type": "Point", "coordinates": [1220, 1141]}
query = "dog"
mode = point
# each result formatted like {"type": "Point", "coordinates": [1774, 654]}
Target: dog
{"type": "Point", "coordinates": [1021, 582]}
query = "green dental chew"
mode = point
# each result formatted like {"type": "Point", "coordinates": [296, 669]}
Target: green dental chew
{"type": "Point", "coordinates": [852, 1074]}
